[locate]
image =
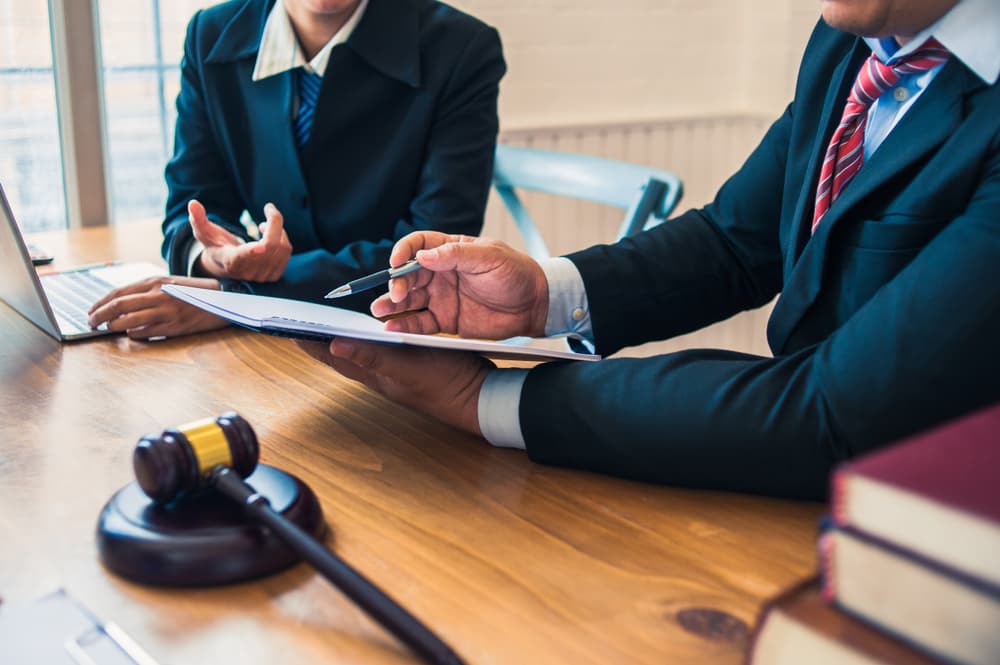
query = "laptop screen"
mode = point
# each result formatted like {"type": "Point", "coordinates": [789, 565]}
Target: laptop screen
{"type": "Point", "coordinates": [19, 285]}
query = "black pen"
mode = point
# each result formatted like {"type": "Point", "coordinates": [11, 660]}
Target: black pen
{"type": "Point", "coordinates": [376, 279]}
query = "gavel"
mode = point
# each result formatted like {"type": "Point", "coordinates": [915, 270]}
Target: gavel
{"type": "Point", "coordinates": [220, 453]}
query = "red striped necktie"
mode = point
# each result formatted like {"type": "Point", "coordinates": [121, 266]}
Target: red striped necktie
{"type": "Point", "coordinates": [846, 150]}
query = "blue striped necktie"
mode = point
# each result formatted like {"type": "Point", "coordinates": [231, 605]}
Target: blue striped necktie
{"type": "Point", "coordinates": [308, 84]}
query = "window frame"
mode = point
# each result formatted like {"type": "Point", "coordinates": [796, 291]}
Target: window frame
{"type": "Point", "coordinates": [76, 61]}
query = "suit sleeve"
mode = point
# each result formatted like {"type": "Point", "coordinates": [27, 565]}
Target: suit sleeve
{"type": "Point", "coordinates": [197, 169]}
{"type": "Point", "coordinates": [922, 350]}
{"type": "Point", "coordinates": [453, 185]}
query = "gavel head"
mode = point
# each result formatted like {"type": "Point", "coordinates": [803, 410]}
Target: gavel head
{"type": "Point", "coordinates": [180, 460]}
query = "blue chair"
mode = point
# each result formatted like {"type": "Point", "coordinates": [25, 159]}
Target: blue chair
{"type": "Point", "coordinates": [647, 194]}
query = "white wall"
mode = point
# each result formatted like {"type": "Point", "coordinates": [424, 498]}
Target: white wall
{"type": "Point", "coordinates": [776, 32]}
{"type": "Point", "coordinates": [594, 61]}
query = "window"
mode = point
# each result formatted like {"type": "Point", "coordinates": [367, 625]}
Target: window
{"type": "Point", "coordinates": [30, 163]}
{"type": "Point", "coordinates": [142, 42]}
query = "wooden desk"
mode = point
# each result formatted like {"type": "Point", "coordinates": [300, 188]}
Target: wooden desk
{"type": "Point", "coordinates": [511, 562]}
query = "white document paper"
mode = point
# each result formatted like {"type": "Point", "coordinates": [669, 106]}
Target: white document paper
{"type": "Point", "coordinates": [295, 318]}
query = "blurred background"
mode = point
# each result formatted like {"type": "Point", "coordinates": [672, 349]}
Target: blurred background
{"type": "Point", "coordinates": [140, 45]}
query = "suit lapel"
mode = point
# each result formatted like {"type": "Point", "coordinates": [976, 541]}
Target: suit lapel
{"type": "Point", "coordinates": [833, 107]}
{"type": "Point", "coordinates": [933, 117]}
{"type": "Point", "coordinates": [333, 110]}
{"type": "Point", "coordinates": [270, 103]}
{"type": "Point", "coordinates": [386, 43]}
{"type": "Point", "coordinates": [796, 291]}
{"type": "Point", "coordinates": [264, 141]}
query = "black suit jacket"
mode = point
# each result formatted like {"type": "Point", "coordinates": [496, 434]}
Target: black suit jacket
{"type": "Point", "coordinates": [888, 320]}
{"type": "Point", "coordinates": [402, 140]}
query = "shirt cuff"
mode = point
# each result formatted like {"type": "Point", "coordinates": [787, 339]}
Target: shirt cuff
{"type": "Point", "coordinates": [569, 311]}
{"type": "Point", "coordinates": [499, 407]}
{"type": "Point", "coordinates": [194, 251]}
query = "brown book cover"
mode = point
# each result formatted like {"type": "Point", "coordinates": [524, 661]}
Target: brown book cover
{"type": "Point", "coordinates": [798, 627]}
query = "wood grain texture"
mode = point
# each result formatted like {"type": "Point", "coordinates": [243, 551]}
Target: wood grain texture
{"type": "Point", "coordinates": [509, 561]}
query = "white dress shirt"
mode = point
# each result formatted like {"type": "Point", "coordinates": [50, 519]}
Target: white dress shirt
{"type": "Point", "coordinates": [280, 52]}
{"type": "Point", "coordinates": [970, 30]}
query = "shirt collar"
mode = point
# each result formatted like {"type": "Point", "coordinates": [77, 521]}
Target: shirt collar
{"type": "Point", "coordinates": [970, 30]}
{"type": "Point", "coordinates": [279, 47]}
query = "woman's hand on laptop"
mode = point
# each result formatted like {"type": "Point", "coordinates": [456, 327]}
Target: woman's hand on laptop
{"type": "Point", "coordinates": [226, 255]}
{"type": "Point", "coordinates": [142, 310]}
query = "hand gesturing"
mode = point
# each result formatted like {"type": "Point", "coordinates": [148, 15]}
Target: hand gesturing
{"type": "Point", "coordinates": [226, 255]}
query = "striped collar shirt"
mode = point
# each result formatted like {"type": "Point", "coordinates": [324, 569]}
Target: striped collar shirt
{"type": "Point", "coordinates": [279, 49]}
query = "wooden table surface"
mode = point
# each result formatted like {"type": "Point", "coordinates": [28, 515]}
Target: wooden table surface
{"type": "Point", "coordinates": [509, 561]}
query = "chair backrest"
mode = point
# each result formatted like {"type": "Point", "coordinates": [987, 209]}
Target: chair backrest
{"type": "Point", "coordinates": [647, 194]}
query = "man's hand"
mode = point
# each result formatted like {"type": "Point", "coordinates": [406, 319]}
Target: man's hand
{"type": "Point", "coordinates": [226, 255]}
{"type": "Point", "coordinates": [443, 384]}
{"type": "Point", "coordinates": [142, 310]}
{"type": "Point", "coordinates": [473, 287]}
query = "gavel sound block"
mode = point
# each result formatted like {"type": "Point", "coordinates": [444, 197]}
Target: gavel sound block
{"type": "Point", "coordinates": [189, 534]}
{"type": "Point", "coordinates": [170, 538]}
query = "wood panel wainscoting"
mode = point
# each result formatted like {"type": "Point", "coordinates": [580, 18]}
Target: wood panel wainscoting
{"type": "Point", "coordinates": [704, 151]}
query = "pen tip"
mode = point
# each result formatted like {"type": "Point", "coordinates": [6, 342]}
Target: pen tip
{"type": "Point", "coordinates": [338, 292]}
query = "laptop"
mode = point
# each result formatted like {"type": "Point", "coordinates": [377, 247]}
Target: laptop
{"type": "Point", "coordinates": [57, 302]}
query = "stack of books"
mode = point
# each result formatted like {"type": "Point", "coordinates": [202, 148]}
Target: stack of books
{"type": "Point", "coordinates": [909, 559]}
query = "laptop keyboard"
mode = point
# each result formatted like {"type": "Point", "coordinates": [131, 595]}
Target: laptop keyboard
{"type": "Point", "coordinates": [71, 294]}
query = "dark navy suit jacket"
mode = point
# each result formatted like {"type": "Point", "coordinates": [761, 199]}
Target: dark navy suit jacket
{"type": "Point", "coordinates": [888, 320]}
{"type": "Point", "coordinates": [402, 140]}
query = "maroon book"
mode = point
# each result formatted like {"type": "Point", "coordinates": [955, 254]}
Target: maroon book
{"type": "Point", "coordinates": [936, 493]}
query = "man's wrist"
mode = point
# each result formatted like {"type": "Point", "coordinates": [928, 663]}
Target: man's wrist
{"type": "Point", "coordinates": [471, 397]}
{"type": "Point", "coordinates": [541, 308]}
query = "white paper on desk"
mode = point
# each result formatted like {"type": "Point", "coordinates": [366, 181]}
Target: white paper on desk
{"type": "Point", "coordinates": [295, 317]}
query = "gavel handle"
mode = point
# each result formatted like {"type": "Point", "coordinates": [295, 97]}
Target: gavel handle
{"type": "Point", "coordinates": [369, 597]}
